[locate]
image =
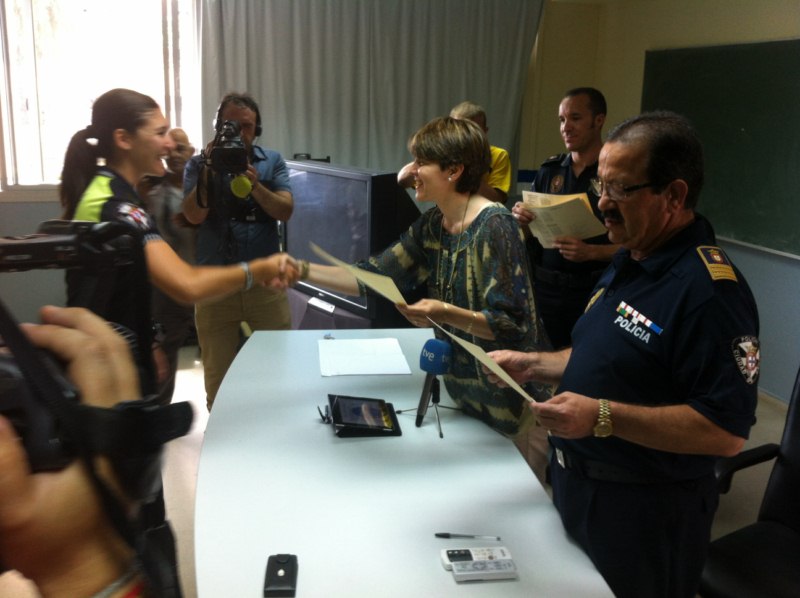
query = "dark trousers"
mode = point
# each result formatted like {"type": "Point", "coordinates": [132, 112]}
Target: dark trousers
{"type": "Point", "coordinates": [647, 540]}
{"type": "Point", "coordinates": [178, 321]}
{"type": "Point", "coordinates": [559, 309]}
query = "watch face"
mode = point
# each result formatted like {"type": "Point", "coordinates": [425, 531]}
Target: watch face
{"type": "Point", "coordinates": [602, 429]}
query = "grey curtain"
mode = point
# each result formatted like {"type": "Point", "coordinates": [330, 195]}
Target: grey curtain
{"type": "Point", "coordinates": [353, 79]}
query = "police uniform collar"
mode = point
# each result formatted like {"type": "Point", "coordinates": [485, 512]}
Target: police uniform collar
{"type": "Point", "coordinates": [122, 188]}
{"type": "Point", "coordinates": [556, 159]}
{"type": "Point", "coordinates": [109, 172]}
{"type": "Point", "coordinates": [696, 233]}
{"type": "Point", "coordinates": [568, 161]}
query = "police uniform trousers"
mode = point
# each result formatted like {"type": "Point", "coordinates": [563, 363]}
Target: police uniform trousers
{"type": "Point", "coordinates": [648, 540]}
{"type": "Point", "coordinates": [219, 328]}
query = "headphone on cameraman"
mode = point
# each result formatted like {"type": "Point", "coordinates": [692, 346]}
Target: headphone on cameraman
{"type": "Point", "coordinates": [239, 99]}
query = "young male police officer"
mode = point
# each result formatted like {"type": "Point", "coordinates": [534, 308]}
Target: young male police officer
{"type": "Point", "coordinates": [564, 275]}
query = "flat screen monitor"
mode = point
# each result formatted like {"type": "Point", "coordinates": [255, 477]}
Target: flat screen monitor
{"type": "Point", "coordinates": [351, 213]}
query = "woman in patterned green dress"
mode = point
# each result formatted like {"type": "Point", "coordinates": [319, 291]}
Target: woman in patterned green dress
{"type": "Point", "coordinates": [468, 254]}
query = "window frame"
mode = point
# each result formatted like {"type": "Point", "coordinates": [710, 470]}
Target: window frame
{"type": "Point", "coordinates": [179, 47]}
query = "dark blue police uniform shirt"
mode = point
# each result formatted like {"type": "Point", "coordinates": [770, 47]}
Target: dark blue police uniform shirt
{"type": "Point", "coordinates": [556, 176]}
{"type": "Point", "coordinates": [662, 331]}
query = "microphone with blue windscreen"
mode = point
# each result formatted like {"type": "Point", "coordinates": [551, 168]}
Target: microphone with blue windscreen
{"type": "Point", "coordinates": [435, 360]}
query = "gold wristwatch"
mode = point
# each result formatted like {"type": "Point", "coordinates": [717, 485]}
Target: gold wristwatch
{"type": "Point", "coordinates": [603, 427]}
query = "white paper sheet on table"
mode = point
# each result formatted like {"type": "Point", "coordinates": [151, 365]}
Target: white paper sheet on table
{"type": "Point", "coordinates": [358, 357]}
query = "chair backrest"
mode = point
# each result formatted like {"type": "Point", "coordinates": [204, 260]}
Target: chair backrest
{"type": "Point", "coordinates": [782, 497]}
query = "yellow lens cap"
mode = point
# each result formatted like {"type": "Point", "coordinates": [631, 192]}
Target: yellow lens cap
{"type": "Point", "coordinates": [241, 186]}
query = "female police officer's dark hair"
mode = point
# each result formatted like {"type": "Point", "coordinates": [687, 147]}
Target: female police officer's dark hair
{"type": "Point", "coordinates": [116, 109]}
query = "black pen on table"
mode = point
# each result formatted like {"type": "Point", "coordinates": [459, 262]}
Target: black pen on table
{"type": "Point", "coordinates": [449, 535]}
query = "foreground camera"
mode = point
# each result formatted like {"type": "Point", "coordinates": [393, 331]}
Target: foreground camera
{"type": "Point", "coordinates": [56, 428]}
{"type": "Point", "coordinates": [41, 403]}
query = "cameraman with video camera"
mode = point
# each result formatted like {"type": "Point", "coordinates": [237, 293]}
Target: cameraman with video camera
{"type": "Point", "coordinates": [236, 191]}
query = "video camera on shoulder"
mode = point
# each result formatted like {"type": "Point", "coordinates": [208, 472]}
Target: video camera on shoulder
{"type": "Point", "coordinates": [228, 153]}
{"type": "Point", "coordinates": [41, 403]}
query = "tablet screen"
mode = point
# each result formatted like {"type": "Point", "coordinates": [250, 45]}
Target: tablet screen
{"type": "Point", "coordinates": [361, 412]}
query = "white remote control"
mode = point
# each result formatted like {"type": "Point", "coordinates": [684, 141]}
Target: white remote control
{"type": "Point", "coordinates": [450, 556]}
{"type": "Point", "coordinates": [484, 570]}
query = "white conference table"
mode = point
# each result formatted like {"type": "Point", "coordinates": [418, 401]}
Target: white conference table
{"type": "Point", "coordinates": [361, 513]}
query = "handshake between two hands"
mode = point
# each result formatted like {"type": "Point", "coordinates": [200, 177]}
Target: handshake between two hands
{"type": "Point", "coordinates": [277, 271]}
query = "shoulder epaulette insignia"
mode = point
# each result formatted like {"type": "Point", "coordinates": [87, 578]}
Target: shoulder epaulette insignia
{"type": "Point", "coordinates": [594, 298]}
{"type": "Point", "coordinates": [554, 158]}
{"type": "Point", "coordinates": [717, 263]}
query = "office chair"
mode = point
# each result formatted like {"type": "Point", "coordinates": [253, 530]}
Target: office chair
{"type": "Point", "coordinates": [762, 559]}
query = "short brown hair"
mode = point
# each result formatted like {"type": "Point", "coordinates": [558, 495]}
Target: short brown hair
{"type": "Point", "coordinates": [451, 141]}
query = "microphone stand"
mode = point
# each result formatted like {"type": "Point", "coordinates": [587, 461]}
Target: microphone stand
{"type": "Point", "coordinates": [433, 398]}
{"type": "Point", "coordinates": [435, 401]}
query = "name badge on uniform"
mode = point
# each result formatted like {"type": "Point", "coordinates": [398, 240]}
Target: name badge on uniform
{"type": "Point", "coordinates": [636, 323]}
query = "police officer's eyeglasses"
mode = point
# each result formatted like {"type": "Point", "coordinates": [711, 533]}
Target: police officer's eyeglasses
{"type": "Point", "coordinates": [615, 190]}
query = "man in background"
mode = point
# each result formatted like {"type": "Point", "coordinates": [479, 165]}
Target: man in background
{"type": "Point", "coordinates": [238, 213]}
{"type": "Point", "coordinates": [163, 198]}
{"type": "Point", "coordinates": [564, 275]}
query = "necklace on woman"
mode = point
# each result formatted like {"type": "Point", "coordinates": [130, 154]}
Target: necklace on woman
{"type": "Point", "coordinates": [444, 290]}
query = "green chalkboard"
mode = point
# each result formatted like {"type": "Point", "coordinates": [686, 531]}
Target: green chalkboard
{"type": "Point", "coordinates": [744, 101]}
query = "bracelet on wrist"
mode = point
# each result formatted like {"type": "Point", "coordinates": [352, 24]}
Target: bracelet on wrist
{"type": "Point", "coordinates": [248, 276]}
{"type": "Point", "coordinates": [472, 322]}
{"type": "Point", "coordinates": [304, 269]}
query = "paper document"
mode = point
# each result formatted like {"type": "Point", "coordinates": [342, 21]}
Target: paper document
{"type": "Point", "coordinates": [561, 216]}
{"type": "Point", "coordinates": [383, 285]}
{"type": "Point", "coordinates": [481, 355]}
{"type": "Point", "coordinates": [359, 357]}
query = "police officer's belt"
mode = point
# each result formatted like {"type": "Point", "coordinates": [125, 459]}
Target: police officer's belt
{"type": "Point", "coordinates": [566, 280]}
{"type": "Point", "coordinates": [604, 472]}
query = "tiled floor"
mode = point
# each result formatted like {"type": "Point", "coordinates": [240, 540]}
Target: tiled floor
{"type": "Point", "coordinates": [180, 466]}
{"type": "Point", "coordinates": [737, 508]}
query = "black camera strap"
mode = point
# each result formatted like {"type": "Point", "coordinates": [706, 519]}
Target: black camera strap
{"type": "Point", "coordinates": [205, 180]}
